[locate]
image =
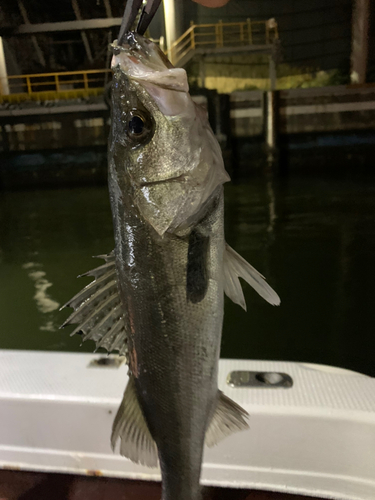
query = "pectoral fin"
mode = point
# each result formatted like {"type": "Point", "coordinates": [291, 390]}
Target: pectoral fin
{"type": "Point", "coordinates": [228, 418]}
{"type": "Point", "coordinates": [130, 426]}
{"type": "Point", "coordinates": [98, 310]}
{"type": "Point", "coordinates": [236, 267]}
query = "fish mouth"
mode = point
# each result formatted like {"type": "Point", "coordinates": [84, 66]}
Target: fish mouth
{"type": "Point", "coordinates": [143, 50]}
{"type": "Point", "coordinates": [143, 61]}
{"type": "Point", "coordinates": [181, 177]}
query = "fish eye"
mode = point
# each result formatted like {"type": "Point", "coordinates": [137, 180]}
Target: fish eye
{"type": "Point", "coordinates": [136, 125]}
{"type": "Point", "coordinates": [139, 125]}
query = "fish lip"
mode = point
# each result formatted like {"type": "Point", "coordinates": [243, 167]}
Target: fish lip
{"type": "Point", "coordinates": [181, 177]}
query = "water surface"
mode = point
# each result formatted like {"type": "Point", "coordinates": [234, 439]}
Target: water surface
{"type": "Point", "coordinates": [313, 237]}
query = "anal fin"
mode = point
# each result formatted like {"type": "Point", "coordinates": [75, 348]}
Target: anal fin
{"type": "Point", "coordinates": [229, 417]}
{"type": "Point", "coordinates": [130, 426]}
{"type": "Point", "coordinates": [236, 267]}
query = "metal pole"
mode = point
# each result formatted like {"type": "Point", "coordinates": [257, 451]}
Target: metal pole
{"type": "Point", "coordinates": [169, 21]}
{"type": "Point", "coordinates": [4, 86]}
{"type": "Point", "coordinates": [29, 87]}
{"type": "Point", "coordinates": [84, 37]}
{"type": "Point", "coordinates": [270, 109]}
{"type": "Point", "coordinates": [272, 72]}
{"type": "Point", "coordinates": [202, 72]}
{"type": "Point", "coordinates": [360, 28]}
{"type": "Point", "coordinates": [108, 9]}
{"type": "Point", "coordinates": [34, 40]}
{"type": "Point", "coordinates": [192, 36]}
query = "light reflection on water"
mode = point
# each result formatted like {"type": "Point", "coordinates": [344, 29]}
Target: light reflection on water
{"type": "Point", "coordinates": [312, 237]}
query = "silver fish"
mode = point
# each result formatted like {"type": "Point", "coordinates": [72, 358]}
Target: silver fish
{"type": "Point", "coordinates": [158, 298]}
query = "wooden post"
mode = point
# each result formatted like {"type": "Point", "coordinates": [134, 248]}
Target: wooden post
{"type": "Point", "coordinates": [86, 82]}
{"type": "Point", "coordinates": [57, 83]}
{"type": "Point", "coordinates": [360, 29]}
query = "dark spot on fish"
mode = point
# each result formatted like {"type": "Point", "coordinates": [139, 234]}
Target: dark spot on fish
{"type": "Point", "coordinates": [196, 272]}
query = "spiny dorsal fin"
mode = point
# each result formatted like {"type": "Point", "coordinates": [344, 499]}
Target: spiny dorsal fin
{"type": "Point", "coordinates": [130, 426]}
{"type": "Point", "coordinates": [98, 310]}
{"type": "Point", "coordinates": [228, 418]}
{"type": "Point", "coordinates": [237, 267]}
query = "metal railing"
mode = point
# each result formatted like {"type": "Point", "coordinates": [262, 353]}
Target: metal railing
{"type": "Point", "coordinates": [45, 86]}
{"type": "Point", "coordinates": [74, 84]}
{"type": "Point", "coordinates": [223, 35]}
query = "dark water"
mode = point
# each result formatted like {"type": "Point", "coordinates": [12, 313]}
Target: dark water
{"type": "Point", "coordinates": [312, 237]}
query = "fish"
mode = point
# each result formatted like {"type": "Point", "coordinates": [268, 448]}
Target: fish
{"type": "Point", "coordinates": [158, 298]}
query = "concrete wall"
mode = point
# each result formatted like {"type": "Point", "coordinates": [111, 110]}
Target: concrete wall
{"type": "Point", "coordinates": [70, 148]}
{"type": "Point", "coordinates": [30, 126]}
{"type": "Point", "coordinates": [228, 74]}
{"type": "Point", "coordinates": [320, 110]}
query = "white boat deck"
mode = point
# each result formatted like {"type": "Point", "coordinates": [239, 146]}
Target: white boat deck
{"type": "Point", "coordinates": [315, 438]}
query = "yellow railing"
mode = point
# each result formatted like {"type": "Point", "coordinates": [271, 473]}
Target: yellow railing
{"type": "Point", "coordinates": [74, 84]}
{"type": "Point", "coordinates": [45, 86]}
{"type": "Point", "coordinates": [223, 35]}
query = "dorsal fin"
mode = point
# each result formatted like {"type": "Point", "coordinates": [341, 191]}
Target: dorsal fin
{"type": "Point", "coordinates": [237, 267]}
{"type": "Point", "coordinates": [98, 310]}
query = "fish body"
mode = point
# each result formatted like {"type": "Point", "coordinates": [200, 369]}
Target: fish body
{"type": "Point", "coordinates": [174, 339]}
{"type": "Point", "coordinates": [159, 296]}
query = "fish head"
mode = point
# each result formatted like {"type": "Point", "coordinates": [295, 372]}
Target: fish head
{"type": "Point", "coordinates": [163, 152]}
